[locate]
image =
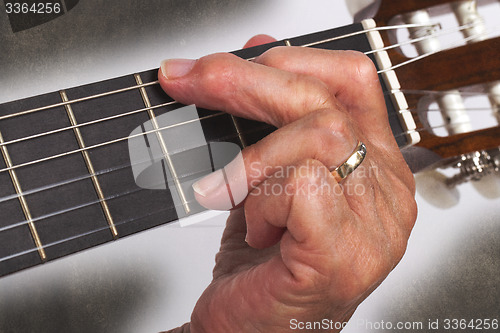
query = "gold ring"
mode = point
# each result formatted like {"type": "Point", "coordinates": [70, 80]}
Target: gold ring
{"type": "Point", "coordinates": [346, 168]}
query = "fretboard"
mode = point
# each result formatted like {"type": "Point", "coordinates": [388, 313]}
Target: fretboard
{"type": "Point", "coordinates": [66, 180]}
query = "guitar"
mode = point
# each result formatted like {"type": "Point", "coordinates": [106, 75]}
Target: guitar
{"type": "Point", "coordinates": [47, 204]}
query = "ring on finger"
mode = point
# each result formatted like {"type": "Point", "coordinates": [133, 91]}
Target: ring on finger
{"type": "Point", "coordinates": [351, 163]}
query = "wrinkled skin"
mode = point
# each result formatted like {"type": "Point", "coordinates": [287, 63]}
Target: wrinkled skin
{"type": "Point", "coordinates": [305, 255]}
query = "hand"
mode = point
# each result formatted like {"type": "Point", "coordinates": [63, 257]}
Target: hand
{"type": "Point", "coordinates": [318, 248]}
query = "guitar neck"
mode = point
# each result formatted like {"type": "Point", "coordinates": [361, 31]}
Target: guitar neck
{"type": "Point", "coordinates": [66, 179]}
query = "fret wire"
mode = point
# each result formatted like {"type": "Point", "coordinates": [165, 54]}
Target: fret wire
{"type": "Point", "coordinates": [118, 195]}
{"type": "Point", "coordinates": [163, 145]}
{"type": "Point", "coordinates": [394, 27]}
{"type": "Point", "coordinates": [90, 166]}
{"type": "Point", "coordinates": [24, 204]}
{"type": "Point", "coordinates": [238, 130]}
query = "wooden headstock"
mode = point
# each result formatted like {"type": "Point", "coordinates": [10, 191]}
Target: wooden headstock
{"type": "Point", "coordinates": [468, 65]}
{"type": "Point", "coordinates": [453, 69]}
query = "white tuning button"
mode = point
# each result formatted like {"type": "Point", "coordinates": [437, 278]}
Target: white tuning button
{"type": "Point", "coordinates": [467, 15]}
{"type": "Point", "coordinates": [488, 186]}
{"type": "Point", "coordinates": [432, 187]}
{"type": "Point", "coordinates": [494, 96]}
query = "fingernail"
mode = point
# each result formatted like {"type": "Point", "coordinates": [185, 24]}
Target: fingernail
{"type": "Point", "coordinates": [225, 188]}
{"type": "Point", "coordinates": [176, 68]}
{"type": "Point", "coordinates": [209, 184]}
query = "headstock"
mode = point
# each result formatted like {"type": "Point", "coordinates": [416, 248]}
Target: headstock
{"type": "Point", "coordinates": [447, 75]}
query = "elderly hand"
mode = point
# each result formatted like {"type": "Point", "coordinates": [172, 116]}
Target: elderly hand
{"type": "Point", "coordinates": [318, 248]}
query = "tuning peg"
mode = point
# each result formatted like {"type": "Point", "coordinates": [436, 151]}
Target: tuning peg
{"type": "Point", "coordinates": [488, 186]}
{"type": "Point", "coordinates": [432, 186]}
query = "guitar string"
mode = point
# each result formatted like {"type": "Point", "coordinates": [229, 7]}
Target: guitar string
{"type": "Point", "coordinates": [174, 102]}
{"type": "Point", "coordinates": [428, 54]}
{"type": "Point", "coordinates": [135, 87]}
{"type": "Point", "coordinates": [119, 168]}
{"type": "Point", "coordinates": [107, 94]}
{"type": "Point", "coordinates": [90, 122]}
{"type": "Point", "coordinates": [118, 223]}
{"type": "Point", "coordinates": [116, 116]}
{"type": "Point", "coordinates": [95, 230]}
{"type": "Point", "coordinates": [112, 92]}
{"type": "Point", "coordinates": [99, 120]}
{"type": "Point", "coordinates": [468, 109]}
{"type": "Point", "coordinates": [441, 93]}
{"type": "Point", "coordinates": [110, 170]}
{"type": "Point", "coordinates": [122, 194]}
{"type": "Point", "coordinates": [106, 143]}
{"type": "Point", "coordinates": [424, 128]}
{"type": "Point", "coordinates": [424, 38]}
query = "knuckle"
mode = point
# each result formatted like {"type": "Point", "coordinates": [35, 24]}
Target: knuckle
{"type": "Point", "coordinates": [333, 130]}
{"type": "Point", "coordinates": [363, 67]}
{"type": "Point", "coordinates": [215, 72]}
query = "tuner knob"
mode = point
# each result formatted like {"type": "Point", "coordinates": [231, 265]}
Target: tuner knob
{"type": "Point", "coordinates": [433, 187]}
{"type": "Point", "coordinates": [488, 186]}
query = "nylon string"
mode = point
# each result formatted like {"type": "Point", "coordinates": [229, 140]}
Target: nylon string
{"type": "Point", "coordinates": [164, 128]}
{"type": "Point", "coordinates": [173, 102]}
